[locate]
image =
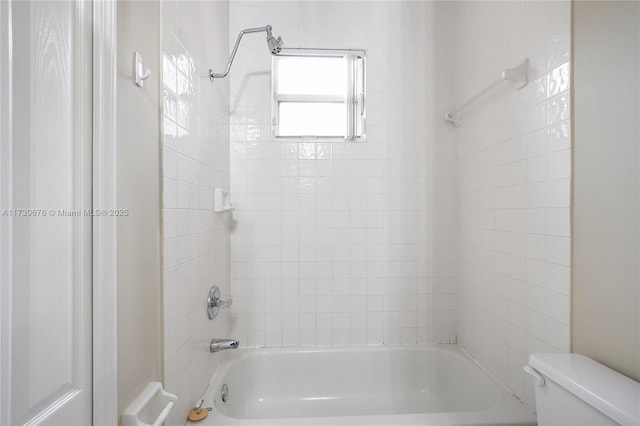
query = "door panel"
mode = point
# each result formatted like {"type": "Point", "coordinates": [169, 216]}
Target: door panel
{"type": "Point", "coordinates": [46, 238]}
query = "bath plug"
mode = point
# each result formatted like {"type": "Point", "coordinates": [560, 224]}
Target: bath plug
{"type": "Point", "coordinates": [197, 414]}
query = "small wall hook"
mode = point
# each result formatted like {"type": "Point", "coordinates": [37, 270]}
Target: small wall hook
{"type": "Point", "coordinates": [141, 74]}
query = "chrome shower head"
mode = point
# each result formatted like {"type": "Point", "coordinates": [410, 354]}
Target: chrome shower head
{"type": "Point", "coordinates": [274, 44]}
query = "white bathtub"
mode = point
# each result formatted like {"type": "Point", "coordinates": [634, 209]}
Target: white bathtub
{"type": "Point", "coordinates": [418, 385]}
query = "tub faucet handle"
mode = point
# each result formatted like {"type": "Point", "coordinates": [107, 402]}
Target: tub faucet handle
{"type": "Point", "coordinates": [215, 302]}
{"type": "Point", "coordinates": [225, 302]}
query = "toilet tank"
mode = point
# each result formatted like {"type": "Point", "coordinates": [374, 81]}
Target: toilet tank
{"type": "Point", "coordinates": [574, 390]}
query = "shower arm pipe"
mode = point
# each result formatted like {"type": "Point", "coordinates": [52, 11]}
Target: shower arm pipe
{"type": "Point", "coordinates": [266, 29]}
{"type": "Point", "coordinates": [516, 75]}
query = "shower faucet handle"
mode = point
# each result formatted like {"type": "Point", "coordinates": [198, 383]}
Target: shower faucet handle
{"type": "Point", "coordinates": [224, 302]}
{"type": "Point", "coordinates": [215, 302]}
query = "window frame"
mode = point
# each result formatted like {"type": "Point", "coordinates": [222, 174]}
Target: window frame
{"type": "Point", "coordinates": [355, 103]}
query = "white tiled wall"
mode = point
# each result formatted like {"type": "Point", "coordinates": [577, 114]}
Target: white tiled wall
{"type": "Point", "coordinates": [195, 159]}
{"type": "Point", "coordinates": [421, 234]}
{"type": "Point", "coordinates": [333, 243]}
{"type": "Point", "coordinates": [514, 153]}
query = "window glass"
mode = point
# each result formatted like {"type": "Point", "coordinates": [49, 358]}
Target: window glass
{"type": "Point", "coordinates": [308, 75]}
{"type": "Point", "coordinates": [312, 119]}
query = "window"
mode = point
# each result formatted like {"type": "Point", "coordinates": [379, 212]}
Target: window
{"type": "Point", "coordinates": [319, 94]}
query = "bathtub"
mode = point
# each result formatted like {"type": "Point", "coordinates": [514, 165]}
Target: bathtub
{"type": "Point", "coordinates": [416, 385]}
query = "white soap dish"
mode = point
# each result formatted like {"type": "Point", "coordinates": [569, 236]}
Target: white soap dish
{"type": "Point", "coordinates": [150, 408]}
{"type": "Point", "coordinates": [222, 201]}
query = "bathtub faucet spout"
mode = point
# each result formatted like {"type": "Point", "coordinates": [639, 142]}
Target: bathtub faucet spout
{"type": "Point", "coordinates": [222, 344]}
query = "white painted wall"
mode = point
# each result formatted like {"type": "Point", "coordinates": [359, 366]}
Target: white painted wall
{"type": "Point", "coordinates": [606, 280]}
{"type": "Point", "coordinates": [514, 159]}
{"type": "Point", "coordinates": [138, 150]}
{"type": "Point", "coordinates": [333, 243]}
{"type": "Point", "coordinates": [195, 160]}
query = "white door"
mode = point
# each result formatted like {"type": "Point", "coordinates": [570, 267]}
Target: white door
{"type": "Point", "coordinates": [45, 180]}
